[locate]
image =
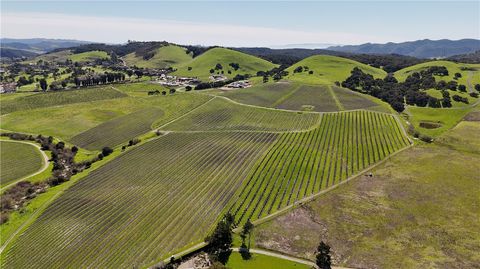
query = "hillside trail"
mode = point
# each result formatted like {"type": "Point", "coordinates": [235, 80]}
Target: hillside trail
{"type": "Point", "coordinates": [286, 257]}
{"type": "Point", "coordinates": [44, 160]}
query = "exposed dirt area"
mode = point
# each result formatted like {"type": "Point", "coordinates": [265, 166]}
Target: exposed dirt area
{"type": "Point", "coordinates": [473, 116]}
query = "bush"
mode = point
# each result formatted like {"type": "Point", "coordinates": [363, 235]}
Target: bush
{"type": "Point", "coordinates": [474, 94]}
{"type": "Point", "coordinates": [106, 151]}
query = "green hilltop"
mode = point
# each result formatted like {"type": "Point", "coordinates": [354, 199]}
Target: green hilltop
{"type": "Point", "coordinates": [164, 57]}
{"type": "Point", "coordinates": [329, 69]}
{"type": "Point", "coordinates": [200, 66]}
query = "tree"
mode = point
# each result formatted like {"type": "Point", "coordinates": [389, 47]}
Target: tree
{"type": "Point", "coordinates": [477, 87]}
{"type": "Point", "coordinates": [43, 84]}
{"type": "Point", "coordinates": [323, 259]}
{"type": "Point", "coordinates": [212, 71]}
{"type": "Point", "coordinates": [458, 75]}
{"type": "Point", "coordinates": [244, 248]}
{"type": "Point", "coordinates": [107, 151]}
{"type": "Point", "coordinates": [188, 88]}
{"type": "Point", "coordinates": [220, 241]}
{"type": "Point", "coordinates": [462, 88]}
{"type": "Point", "coordinates": [218, 66]}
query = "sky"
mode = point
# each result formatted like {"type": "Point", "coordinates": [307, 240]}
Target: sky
{"type": "Point", "coordinates": [242, 23]}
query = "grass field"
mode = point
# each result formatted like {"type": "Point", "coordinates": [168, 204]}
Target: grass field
{"type": "Point", "coordinates": [18, 160]}
{"type": "Point", "coordinates": [48, 99]}
{"type": "Point", "coordinates": [301, 164]}
{"type": "Point", "coordinates": [118, 130]}
{"type": "Point", "coordinates": [146, 201]}
{"type": "Point", "coordinates": [70, 120]}
{"type": "Point", "coordinates": [166, 56]}
{"type": "Point", "coordinates": [221, 114]}
{"type": "Point", "coordinates": [89, 56]}
{"type": "Point", "coordinates": [329, 69]}
{"type": "Point", "coordinates": [260, 261]}
{"type": "Point", "coordinates": [419, 210]}
{"type": "Point", "coordinates": [446, 117]}
{"type": "Point", "coordinates": [140, 89]}
{"type": "Point", "coordinates": [470, 72]}
{"type": "Point", "coordinates": [315, 98]}
{"type": "Point", "coordinates": [202, 64]}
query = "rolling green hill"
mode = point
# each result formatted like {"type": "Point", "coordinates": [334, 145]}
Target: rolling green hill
{"type": "Point", "coordinates": [88, 56]}
{"type": "Point", "coordinates": [201, 65]}
{"type": "Point", "coordinates": [328, 69]}
{"type": "Point", "coordinates": [164, 57]}
{"type": "Point", "coordinates": [470, 72]}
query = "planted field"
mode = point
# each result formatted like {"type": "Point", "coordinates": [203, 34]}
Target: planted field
{"type": "Point", "coordinates": [301, 164]}
{"type": "Point", "coordinates": [351, 100]}
{"type": "Point", "coordinates": [221, 114]}
{"type": "Point", "coordinates": [18, 160]}
{"type": "Point", "coordinates": [118, 130]}
{"type": "Point", "coordinates": [70, 120]}
{"type": "Point", "coordinates": [316, 98]}
{"type": "Point", "coordinates": [262, 95]}
{"type": "Point", "coordinates": [142, 206]}
{"type": "Point", "coordinates": [49, 99]}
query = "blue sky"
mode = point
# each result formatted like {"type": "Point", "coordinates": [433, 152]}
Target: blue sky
{"type": "Point", "coordinates": [243, 23]}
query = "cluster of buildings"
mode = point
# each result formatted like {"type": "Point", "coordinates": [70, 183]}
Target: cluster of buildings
{"type": "Point", "coordinates": [174, 81]}
{"type": "Point", "coordinates": [8, 87]}
{"type": "Point", "coordinates": [239, 84]}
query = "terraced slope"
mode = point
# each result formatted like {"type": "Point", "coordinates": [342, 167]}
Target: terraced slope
{"type": "Point", "coordinates": [49, 99]}
{"type": "Point", "coordinates": [17, 161]}
{"type": "Point", "coordinates": [329, 69]}
{"type": "Point", "coordinates": [221, 114]}
{"type": "Point", "coordinates": [201, 65]}
{"type": "Point", "coordinates": [142, 206]}
{"type": "Point", "coordinates": [118, 130]}
{"type": "Point", "coordinates": [164, 57]}
{"type": "Point", "coordinates": [304, 163]}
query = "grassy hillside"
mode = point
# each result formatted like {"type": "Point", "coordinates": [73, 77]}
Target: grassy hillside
{"type": "Point", "coordinates": [201, 65]}
{"type": "Point", "coordinates": [328, 69]}
{"type": "Point", "coordinates": [470, 72]}
{"type": "Point", "coordinates": [89, 56]}
{"type": "Point", "coordinates": [164, 57]}
{"type": "Point", "coordinates": [413, 212]}
{"type": "Point", "coordinates": [18, 160]}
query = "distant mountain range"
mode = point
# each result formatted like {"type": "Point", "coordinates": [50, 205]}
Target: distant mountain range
{"type": "Point", "coordinates": [15, 48]}
{"type": "Point", "coordinates": [421, 48]}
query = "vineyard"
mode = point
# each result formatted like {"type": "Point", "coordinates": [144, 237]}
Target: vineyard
{"type": "Point", "coordinates": [142, 206]}
{"type": "Point", "coordinates": [262, 95]}
{"type": "Point", "coordinates": [58, 98]}
{"type": "Point", "coordinates": [18, 160]}
{"type": "Point", "coordinates": [301, 164]}
{"type": "Point", "coordinates": [316, 98]}
{"type": "Point", "coordinates": [118, 130]}
{"type": "Point", "coordinates": [221, 114]}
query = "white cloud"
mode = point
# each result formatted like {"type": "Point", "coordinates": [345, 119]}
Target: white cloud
{"type": "Point", "coordinates": [115, 30]}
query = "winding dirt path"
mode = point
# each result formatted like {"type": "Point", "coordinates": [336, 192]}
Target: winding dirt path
{"type": "Point", "coordinates": [286, 257]}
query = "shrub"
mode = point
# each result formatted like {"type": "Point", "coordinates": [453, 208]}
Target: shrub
{"type": "Point", "coordinates": [106, 151]}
